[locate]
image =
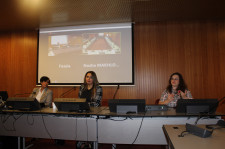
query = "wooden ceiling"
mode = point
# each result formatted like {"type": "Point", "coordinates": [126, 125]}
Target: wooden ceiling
{"type": "Point", "coordinates": [33, 14]}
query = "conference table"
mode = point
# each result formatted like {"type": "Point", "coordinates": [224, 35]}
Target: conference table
{"type": "Point", "coordinates": [175, 141]}
{"type": "Point", "coordinates": [99, 125]}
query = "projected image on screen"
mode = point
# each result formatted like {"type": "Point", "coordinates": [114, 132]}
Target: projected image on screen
{"type": "Point", "coordinates": [88, 43]}
{"type": "Point", "coordinates": [102, 43]}
{"type": "Point", "coordinates": [64, 44]}
{"type": "Point", "coordinates": [67, 53]}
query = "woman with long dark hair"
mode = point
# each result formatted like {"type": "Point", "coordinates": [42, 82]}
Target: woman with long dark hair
{"type": "Point", "coordinates": [91, 90]}
{"type": "Point", "coordinates": [177, 89]}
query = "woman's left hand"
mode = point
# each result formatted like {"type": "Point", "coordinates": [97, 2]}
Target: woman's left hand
{"type": "Point", "coordinates": [183, 94]}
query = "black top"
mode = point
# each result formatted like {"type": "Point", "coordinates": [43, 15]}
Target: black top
{"type": "Point", "coordinates": [96, 100]}
{"type": "Point", "coordinates": [87, 94]}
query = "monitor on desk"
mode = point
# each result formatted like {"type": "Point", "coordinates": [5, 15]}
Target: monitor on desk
{"type": "Point", "coordinates": [72, 104]}
{"type": "Point", "coordinates": [126, 106]}
{"type": "Point", "coordinates": [23, 103]}
{"type": "Point", "coordinates": [197, 106]}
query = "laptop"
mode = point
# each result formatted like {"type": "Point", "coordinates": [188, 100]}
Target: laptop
{"type": "Point", "coordinates": [72, 104]}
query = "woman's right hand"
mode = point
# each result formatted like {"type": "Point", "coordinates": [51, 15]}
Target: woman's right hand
{"type": "Point", "coordinates": [168, 100]}
{"type": "Point", "coordinates": [170, 97]}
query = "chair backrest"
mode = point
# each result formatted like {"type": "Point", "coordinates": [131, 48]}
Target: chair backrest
{"type": "Point", "coordinates": [157, 101]}
{"type": "Point", "coordinates": [104, 102]}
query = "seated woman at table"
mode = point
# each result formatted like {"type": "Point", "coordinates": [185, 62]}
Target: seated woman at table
{"type": "Point", "coordinates": [43, 94]}
{"type": "Point", "coordinates": [177, 89]}
{"type": "Point", "coordinates": [91, 90]}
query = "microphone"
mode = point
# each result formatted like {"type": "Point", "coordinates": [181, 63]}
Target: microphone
{"type": "Point", "coordinates": [23, 94]}
{"type": "Point", "coordinates": [118, 87]}
{"type": "Point", "coordinates": [220, 101]}
{"type": "Point", "coordinates": [218, 125]}
{"type": "Point", "coordinates": [179, 93]}
{"type": "Point", "coordinates": [67, 92]}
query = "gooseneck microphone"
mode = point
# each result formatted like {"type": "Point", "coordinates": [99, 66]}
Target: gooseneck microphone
{"type": "Point", "coordinates": [24, 94]}
{"type": "Point", "coordinates": [118, 87]}
{"type": "Point", "coordinates": [221, 100]}
{"type": "Point", "coordinates": [67, 92]}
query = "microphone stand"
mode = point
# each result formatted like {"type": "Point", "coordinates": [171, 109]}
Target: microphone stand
{"type": "Point", "coordinates": [22, 94]}
{"type": "Point", "coordinates": [63, 94]}
{"type": "Point", "coordinates": [220, 101]}
{"type": "Point", "coordinates": [118, 87]}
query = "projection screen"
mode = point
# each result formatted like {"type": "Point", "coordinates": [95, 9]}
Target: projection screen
{"type": "Point", "coordinates": [65, 54]}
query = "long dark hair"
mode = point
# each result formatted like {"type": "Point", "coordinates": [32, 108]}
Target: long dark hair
{"type": "Point", "coordinates": [95, 82]}
{"type": "Point", "coordinates": [181, 86]}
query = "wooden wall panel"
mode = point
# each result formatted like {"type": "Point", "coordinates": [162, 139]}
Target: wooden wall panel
{"type": "Point", "coordinates": [195, 49]}
{"type": "Point", "coordinates": [18, 62]}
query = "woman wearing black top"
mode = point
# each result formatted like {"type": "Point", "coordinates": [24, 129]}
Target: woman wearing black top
{"type": "Point", "coordinates": [91, 90]}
